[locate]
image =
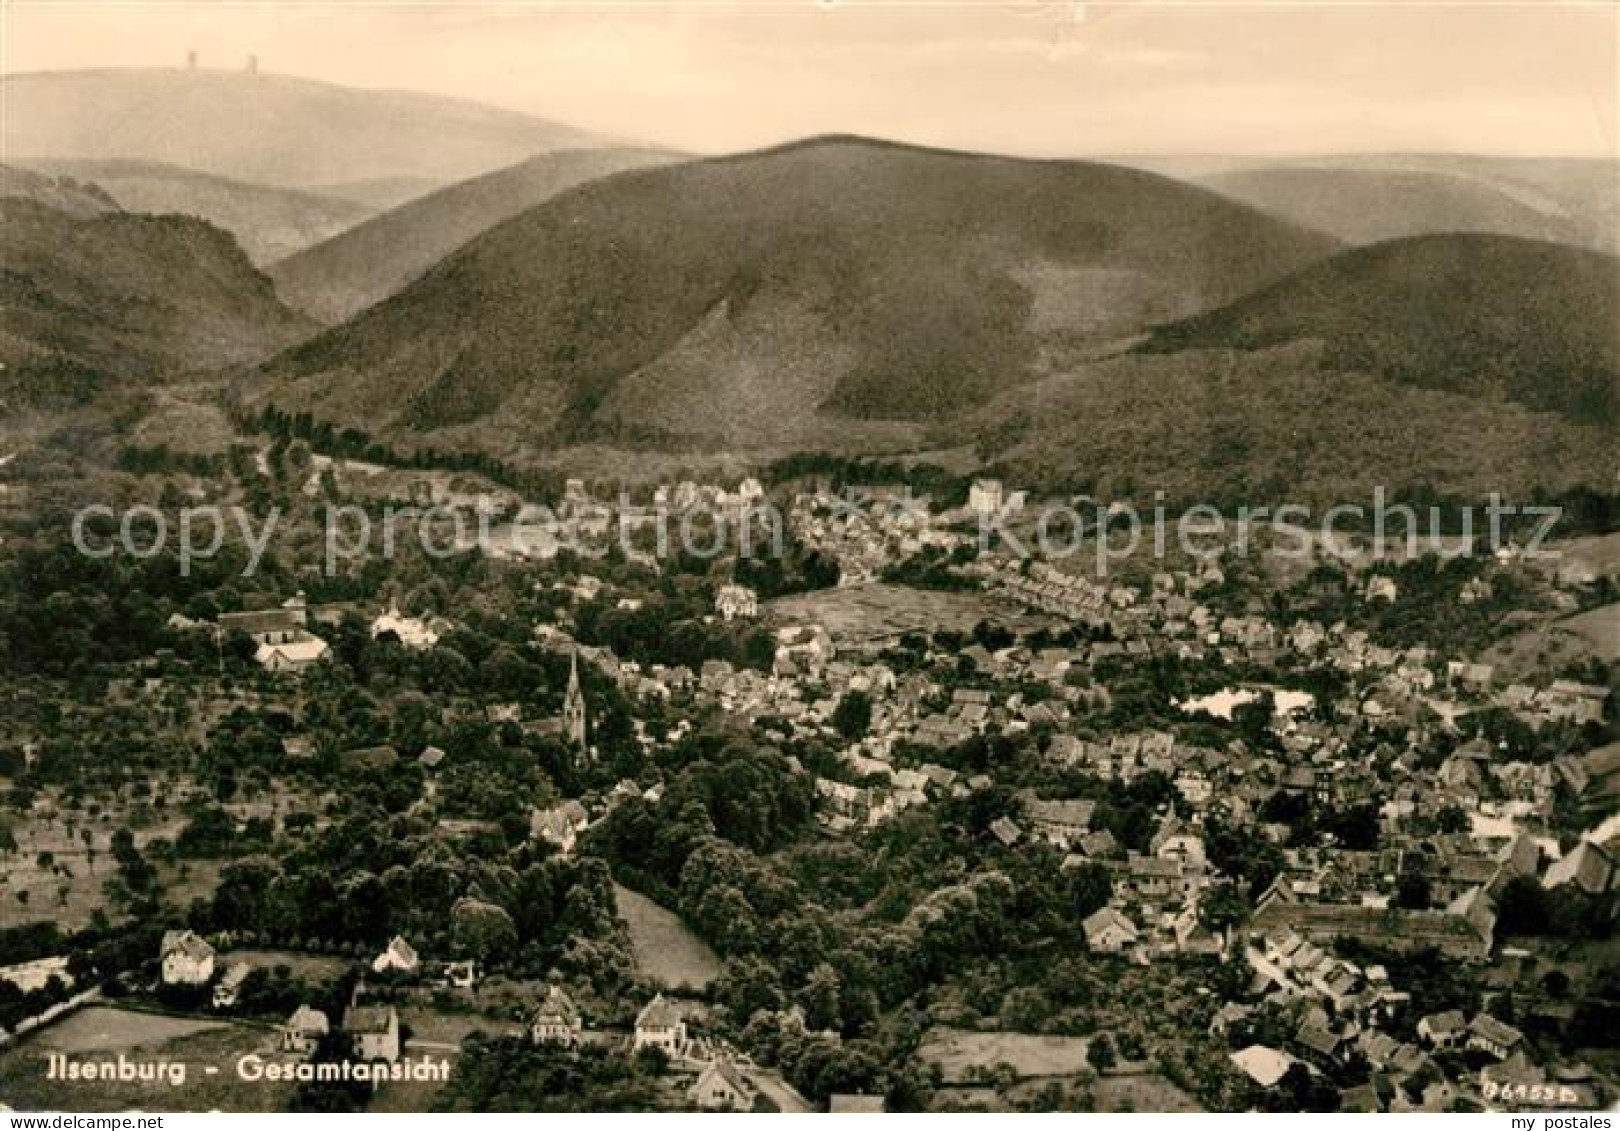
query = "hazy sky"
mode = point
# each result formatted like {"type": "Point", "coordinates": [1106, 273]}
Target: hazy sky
{"type": "Point", "coordinates": [1049, 78]}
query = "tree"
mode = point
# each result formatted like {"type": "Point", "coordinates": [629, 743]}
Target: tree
{"type": "Point", "coordinates": [1253, 719]}
{"type": "Point", "coordinates": [1223, 906]}
{"type": "Point", "coordinates": [1100, 1052]}
{"type": "Point", "coordinates": [1025, 1009]}
{"type": "Point", "coordinates": [749, 984]}
{"type": "Point", "coordinates": [1413, 892]}
{"type": "Point", "coordinates": [853, 715]}
{"type": "Point", "coordinates": [820, 997]}
{"type": "Point", "coordinates": [1300, 1089]}
{"type": "Point", "coordinates": [1356, 828]}
{"type": "Point", "coordinates": [483, 931]}
{"type": "Point", "coordinates": [1523, 908]}
{"type": "Point", "coordinates": [1090, 888]}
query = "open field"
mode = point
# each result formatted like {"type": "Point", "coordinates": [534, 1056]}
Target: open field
{"type": "Point", "coordinates": [108, 1029]}
{"type": "Point", "coordinates": [1600, 627]}
{"type": "Point", "coordinates": [70, 887]}
{"type": "Point", "coordinates": [64, 859]}
{"type": "Point", "coordinates": [1551, 644]}
{"type": "Point", "coordinates": [958, 1052]}
{"type": "Point", "coordinates": [1144, 1092]}
{"type": "Point", "coordinates": [207, 1050]}
{"type": "Point", "coordinates": [410, 1095]}
{"type": "Point", "coordinates": [185, 418]}
{"type": "Point", "coordinates": [1129, 1092]}
{"type": "Point", "coordinates": [62, 863]}
{"type": "Point", "coordinates": [308, 967]}
{"type": "Point", "coordinates": [666, 950]}
{"type": "Point", "coordinates": [1599, 553]}
{"type": "Point", "coordinates": [432, 1027]}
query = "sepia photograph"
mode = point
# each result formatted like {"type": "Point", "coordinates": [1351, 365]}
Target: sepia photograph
{"type": "Point", "coordinates": [809, 556]}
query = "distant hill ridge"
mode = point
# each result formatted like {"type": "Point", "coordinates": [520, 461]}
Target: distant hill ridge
{"type": "Point", "coordinates": [269, 222]}
{"type": "Point", "coordinates": [120, 297]}
{"type": "Point", "coordinates": [1370, 205]}
{"type": "Point", "coordinates": [266, 129]}
{"type": "Point", "coordinates": [1489, 316]}
{"type": "Point", "coordinates": [64, 193]}
{"type": "Point", "coordinates": [757, 296]}
{"type": "Point", "coordinates": [341, 276]}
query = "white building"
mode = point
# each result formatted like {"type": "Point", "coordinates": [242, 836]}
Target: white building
{"type": "Point", "coordinates": [304, 1030]}
{"type": "Point", "coordinates": [733, 601]}
{"type": "Point", "coordinates": [412, 632]}
{"type": "Point", "coordinates": [397, 955]}
{"type": "Point", "coordinates": [660, 1025]}
{"type": "Point", "coordinates": [187, 959]}
{"type": "Point", "coordinates": [1108, 931]}
{"type": "Point", "coordinates": [988, 497]}
{"type": "Point", "coordinates": [557, 1021]}
{"type": "Point", "coordinates": [374, 1029]}
{"type": "Point", "coordinates": [721, 1087]}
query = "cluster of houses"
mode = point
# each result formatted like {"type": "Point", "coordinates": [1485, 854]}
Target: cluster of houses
{"type": "Point", "coordinates": [1379, 750]}
{"type": "Point", "coordinates": [285, 644]}
{"type": "Point", "coordinates": [687, 496]}
{"type": "Point", "coordinates": [721, 1079]}
{"type": "Point", "coordinates": [867, 529]}
{"type": "Point", "coordinates": [711, 1074]}
{"type": "Point", "coordinates": [281, 635]}
{"type": "Point", "coordinates": [1168, 608]}
{"type": "Point", "coordinates": [1334, 1010]}
{"type": "Point", "coordinates": [186, 959]}
{"type": "Point", "coordinates": [1167, 615]}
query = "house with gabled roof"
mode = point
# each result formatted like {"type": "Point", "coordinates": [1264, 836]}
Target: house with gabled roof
{"type": "Point", "coordinates": [1497, 1038]}
{"type": "Point", "coordinates": [1098, 845]}
{"type": "Point", "coordinates": [1109, 931]}
{"type": "Point", "coordinates": [1176, 841]}
{"type": "Point", "coordinates": [660, 1026]}
{"type": "Point", "coordinates": [560, 825]}
{"type": "Point", "coordinates": [1315, 1036]}
{"type": "Point", "coordinates": [1587, 868]}
{"type": "Point", "coordinates": [556, 1020]}
{"type": "Point", "coordinates": [304, 1030]}
{"type": "Point", "coordinates": [1377, 1046]}
{"type": "Point", "coordinates": [1005, 831]}
{"type": "Point", "coordinates": [374, 1031]}
{"type": "Point", "coordinates": [1442, 1030]}
{"type": "Point", "coordinates": [736, 601]}
{"type": "Point", "coordinates": [398, 956]}
{"type": "Point", "coordinates": [722, 1087]}
{"type": "Point", "coordinates": [186, 958]}
{"type": "Point", "coordinates": [229, 988]}
{"type": "Point", "coordinates": [292, 656]}
{"type": "Point", "coordinates": [1059, 822]}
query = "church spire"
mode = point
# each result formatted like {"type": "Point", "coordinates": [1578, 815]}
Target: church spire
{"type": "Point", "coordinates": [574, 723]}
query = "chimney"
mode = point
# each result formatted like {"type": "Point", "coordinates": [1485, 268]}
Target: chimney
{"type": "Point", "coordinates": [191, 60]}
{"type": "Point", "coordinates": [253, 65]}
